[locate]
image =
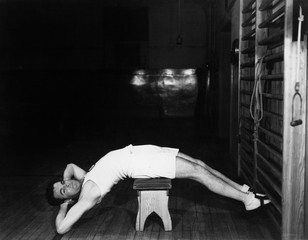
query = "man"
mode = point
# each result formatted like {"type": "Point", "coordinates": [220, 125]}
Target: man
{"type": "Point", "coordinates": [144, 161]}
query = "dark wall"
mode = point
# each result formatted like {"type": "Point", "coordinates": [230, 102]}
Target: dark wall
{"type": "Point", "coordinates": [66, 64]}
{"type": "Point", "coordinates": [103, 34]}
{"type": "Point", "coordinates": [49, 35]}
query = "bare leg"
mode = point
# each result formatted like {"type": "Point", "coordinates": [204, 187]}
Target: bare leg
{"type": "Point", "coordinates": [213, 171]}
{"type": "Point", "coordinates": [190, 170]}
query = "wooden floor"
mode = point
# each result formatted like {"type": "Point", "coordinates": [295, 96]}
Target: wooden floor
{"type": "Point", "coordinates": [196, 212]}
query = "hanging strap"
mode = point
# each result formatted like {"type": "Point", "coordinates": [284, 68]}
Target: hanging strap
{"type": "Point", "coordinates": [296, 122]}
{"type": "Point", "coordinates": [256, 102]}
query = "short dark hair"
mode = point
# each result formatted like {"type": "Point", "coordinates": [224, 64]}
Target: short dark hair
{"type": "Point", "coordinates": [49, 195]}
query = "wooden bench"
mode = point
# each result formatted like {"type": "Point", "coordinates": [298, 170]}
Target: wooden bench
{"type": "Point", "coordinates": [153, 195]}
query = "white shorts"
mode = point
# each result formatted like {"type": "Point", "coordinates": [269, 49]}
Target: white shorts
{"type": "Point", "coordinates": [150, 161]}
{"type": "Point", "coordinates": [144, 161]}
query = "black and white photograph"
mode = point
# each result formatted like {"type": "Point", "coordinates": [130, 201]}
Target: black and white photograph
{"type": "Point", "coordinates": [153, 120]}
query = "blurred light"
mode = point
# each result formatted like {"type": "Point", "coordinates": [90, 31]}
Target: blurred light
{"type": "Point", "coordinates": [188, 71]}
{"type": "Point", "coordinates": [190, 80]}
{"type": "Point", "coordinates": [138, 81]}
{"type": "Point", "coordinates": [140, 72]}
{"type": "Point", "coordinates": [168, 81]}
{"type": "Point", "coordinates": [139, 78]}
{"type": "Point", "coordinates": [167, 72]}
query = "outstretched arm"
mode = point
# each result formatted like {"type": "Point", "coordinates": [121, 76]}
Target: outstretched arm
{"type": "Point", "coordinates": [65, 219]}
{"type": "Point", "coordinates": [73, 171]}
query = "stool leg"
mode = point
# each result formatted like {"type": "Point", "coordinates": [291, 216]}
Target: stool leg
{"type": "Point", "coordinates": [163, 211]}
{"type": "Point", "coordinates": [143, 212]}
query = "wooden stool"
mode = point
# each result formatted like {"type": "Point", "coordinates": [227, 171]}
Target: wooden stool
{"type": "Point", "coordinates": [153, 195]}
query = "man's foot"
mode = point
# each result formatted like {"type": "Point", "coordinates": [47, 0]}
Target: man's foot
{"type": "Point", "coordinates": [256, 200]}
{"type": "Point", "coordinates": [246, 189]}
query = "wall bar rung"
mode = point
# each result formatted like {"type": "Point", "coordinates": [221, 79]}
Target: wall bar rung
{"type": "Point", "coordinates": [245, 105]}
{"type": "Point", "coordinates": [249, 50]}
{"type": "Point", "coordinates": [244, 175]}
{"type": "Point", "coordinates": [249, 21]}
{"type": "Point", "coordinates": [248, 120]}
{"type": "Point", "coordinates": [247, 150]}
{"type": "Point", "coordinates": [248, 78]}
{"type": "Point", "coordinates": [268, 178]}
{"type": "Point", "coordinates": [248, 163]}
{"type": "Point", "coordinates": [274, 202]}
{"type": "Point", "coordinates": [274, 115]}
{"type": "Point", "coordinates": [273, 39]}
{"type": "Point", "coordinates": [279, 23]}
{"type": "Point", "coordinates": [248, 130]}
{"type": "Point", "coordinates": [272, 168]}
{"type": "Point", "coordinates": [271, 133]}
{"type": "Point", "coordinates": [269, 22]}
{"type": "Point", "coordinates": [249, 35]}
{"type": "Point", "coordinates": [246, 156]}
{"type": "Point", "coordinates": [248, 64]}
{"type": "Point", "coordinates": [275, 57]}
{"type": "Point", "coordinates": [249, 7]}
{"type": "Point", "coordinates": [246, 145]}
{"type": "Point", "coordinates": [273, 96]}
{"type": "Point", "coordinates": [267, 5]}
{"type": "Point", "coordinates": [244, 92]}
{"type": "Point", "coordinates": [248, 133]}
{"type": "Point", "coordinates": [271, 150]}
{"type": "Point", "coordinates": [243, 163]}
{"type": "Point", "coordinates": [273, 77]}
{"type": "Point", "coordinates": [271, 47]}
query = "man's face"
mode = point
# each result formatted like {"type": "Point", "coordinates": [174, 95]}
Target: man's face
{"type": "Point", "coordinates": [66, 189]}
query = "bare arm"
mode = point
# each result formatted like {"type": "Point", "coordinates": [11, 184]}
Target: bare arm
{"type": "Point", "coordinates": [88, 198]}
{"type": "Point", "coordinates": [66, 219]}
{"type": "Point", "coordinates": [73, 171]}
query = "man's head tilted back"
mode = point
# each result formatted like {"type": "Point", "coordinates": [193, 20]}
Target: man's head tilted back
{"type": "Point", "coordinates": [59, 191]}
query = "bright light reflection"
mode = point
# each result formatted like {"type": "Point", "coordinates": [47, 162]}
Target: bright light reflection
{"type": "Point", "coordinates": [167, 72]}
{"type": "Point", "coordinates": [168, 81]}
{"type": "Point", "coordinates": [138, 80]}
{"type": "Point", "coordinates": [167, 77]}
{"type": "Point", "coordinates": [190, 80]}
{"type": "Point", "coordinates": [189, 71]}
{"type": "Point", "coordinates": [140, 72]}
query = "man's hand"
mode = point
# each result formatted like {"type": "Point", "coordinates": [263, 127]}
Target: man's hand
{"type": "Point", "coordinates": [65, 204]}
{"type": "Point", "coordinates": [73, 171]}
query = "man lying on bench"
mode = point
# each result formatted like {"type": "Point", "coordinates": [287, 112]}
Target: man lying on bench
{"type": "Point", "coordinates": [144, 161]}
